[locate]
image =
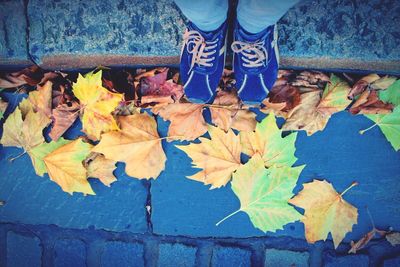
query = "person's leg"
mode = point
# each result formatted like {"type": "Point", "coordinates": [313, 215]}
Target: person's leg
{"type": "Point", "coordinates": [203, 52]}
{"type": "Point", "coordinates": [256, 15]}
{"type": "Point", "coordinates": [206, 15]}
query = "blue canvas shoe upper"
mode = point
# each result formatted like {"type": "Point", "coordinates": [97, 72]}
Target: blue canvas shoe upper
{"type": "Point", "coordinates": [255, 63]}
{"type": "Point", "coordinates": [202, 62]}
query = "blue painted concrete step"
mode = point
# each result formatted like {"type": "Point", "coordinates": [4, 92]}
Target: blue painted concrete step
{"type": "Point", "coordinates": [65, 34]}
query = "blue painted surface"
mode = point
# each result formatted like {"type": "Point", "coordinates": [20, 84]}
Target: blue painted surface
{"type": "Point", "coordinates": [32, 199]}
{"type": "Point", "coordinates": [23, 251]}
{"type": "Point", "coordinates": [276, 257]}
{"type": "Point", "coordinates": [176, 255]}
{"type": "Point", "coordinates": [122, 254]}
{"type": "Point", "coordinates": [339, 154]}
{"type": "Point", "coordinates": [351, 260]}
{"type": "Point", "coordinates": [228, 257]}
{"type": "Point", "coordinates": [69, 253]}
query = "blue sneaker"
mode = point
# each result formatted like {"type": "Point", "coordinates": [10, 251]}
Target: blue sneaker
{"type": "Point", "coordinates": [202, 62]}
{"type": "Point", "coordinates": [255, 63]}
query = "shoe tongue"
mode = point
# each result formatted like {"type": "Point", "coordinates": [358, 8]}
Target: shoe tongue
{"type": "Point", "coordinates": [207, 35]}
{"type": "Point", "coordinates": [252, 37]}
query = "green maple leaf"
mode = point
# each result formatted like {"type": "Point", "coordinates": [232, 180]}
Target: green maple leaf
{"type": "Point", "coordinates": [389, 125]}
{"type": "Point", "coordinates": [264, 193]}
{"type": "Point", "coordinates": [391, 94]}
{"type": "Point", "coordinates": [268, 141]}
{"type": "Point", "coordinates": [38, 153]}
{"type": "Point", "coordinates": [334, 97]}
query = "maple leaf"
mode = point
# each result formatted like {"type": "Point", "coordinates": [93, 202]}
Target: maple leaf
{"type": "Point", "coordinates": [41, 98]}
{"type": "Point", "coordinates": [137, 144]}
{"type": "Point", "coordinates": [218, 157]}
{"type": "Point", "coordinates": [264, 193]}
{"type": "Point", "coordinates": [64, 116]}
{"type": "Point", "coordinates": [393, 238]}
{"type": "Point", "coordinates": [325, 211]}
{"type": "Point", "coordinates": [362, 84]}
{"type": "Point", "coordinates": [187, 121]}
{"type": "Point", "coordinates": [99, 167]}
{"type": "Point", "coordinates": [310, 79]}
{"type": "Point", "coordinates": [3, 107]}
{"type": "Point", "coordinates": [275, 108]}
{"type": "Point", "coordinates": [157, 87]}
{"type": "Point", "coordinates": [64, 166]}
{"type": "Point", "coordinates": [334, 98]}
{"type": "Point", "coordinates": [39, 152]}
{"type": "Point", "coordinates": [389, 125]}
{"type": "Point", "coordinates": [97, 103]}
{"type": "Point", "coordinates": [268, 141]}
{"type": "Point", "coordinates": [287, 94]}
{"type": "Point", "coordinates": [31, 75]}
{"type": "Point", "coordinates": [369, 103]}
{"type": "Point", "coordinates": [227, 114]}
{"type": "Point", "coordinates": [305, 116]}
{"type": "Point", "coordinates": [383, 83]}
{"type": "Point", "coordinates": [391, 94]}
{"type": "Point", "coordinates": [24, 130]}
{"type": "Point", "coordinates": [360, 244]}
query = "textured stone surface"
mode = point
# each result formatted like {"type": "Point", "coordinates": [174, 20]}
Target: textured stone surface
{"type": "Point", "coordinates": [32, 199]}
{"type": "Point", "coordinates": [353, 261]}
{"type": "Point", "coordinates": [176, 255]}
{"type": "Point", "coordinates": [276, 257]}
{"type": "Point", "coordinates": [339, 154]}
{"type": "Point", "coordinates": [122, 254]}
{"type": "Point", "coordinates": [227, 257]}
{"type": "Point", "coordinates": [13, 45]}
{"type": "Point", "coordinates": [69, 252]}
{"type": "Point", "coordinates": [23, 251]}
{"type": "Point", "coordinates": [67, 30]}
{"type": "Point", "coordinates": [342, 34]}
{"type": "Point", "coordinates": [395, 262]}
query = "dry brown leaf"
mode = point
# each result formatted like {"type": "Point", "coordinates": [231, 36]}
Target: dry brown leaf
{"type": "Point", "coordinates": [63, 117]}
{"type": "Point", "coordinates": [361, 85]}
{"type": "Point", "coordinates": [137, 144]}
{"type": "Point", "coordinates": [360, 244]}
{"type": "Point", "coordinates": [31, 75]}
{"type": "Point", "coordinates": [305, 116]}
{"type": "Point", "coordinates": [41, 98]}
{"type": "Point", "coordinates": [101, 168]}
{"type": "Point", "coordinates": [274, 107]}
{"type": "Point", "coordinates": [285, 94]}
{"type": "Point", "coordinates": [187, 121]}
{"type": "Point", "coordinates": [310, 79]}
{"type": "Point", "coordinates": [383, 83]}
{"type": "Point", "coordinates": [393, 238]}
{"type": "Point", "coordinates": [369, 103]}
{"type": "Point", "coordinates": [227, 113]}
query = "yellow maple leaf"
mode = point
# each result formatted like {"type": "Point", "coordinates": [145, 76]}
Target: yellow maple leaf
{"type": "Point", "coordinates": [137, 144]}
{"type": "Point", "coordinates": [218, 157]}
{"type": "Point", "coordinates": [187, 121]}
{"type": "Point", "coordinates": [65, 167]}
{"type": "Point", "coordinates": [325, 211]}
{"type": "Point", "coordinates": [97, 103]}
{"type": "Point", "coordinates": [25, 130]}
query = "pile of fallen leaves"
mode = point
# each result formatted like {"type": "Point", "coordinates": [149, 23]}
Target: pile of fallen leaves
{"type": "Point", "coordinates": [118, 112]}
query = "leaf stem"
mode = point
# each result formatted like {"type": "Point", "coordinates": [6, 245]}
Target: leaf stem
{"type": "Point", "coordinates": [16, 157]}
{"type": "Point", "coordinates": [370, 217]}
{"type": "Point", "coordinates": [369, 128]}
{"type": "Point", "coordinates": [348, 188]}
{"type": "Point", "coordinates": [172, 136]}
{"type": "Point", "coordinates": [227, 217]}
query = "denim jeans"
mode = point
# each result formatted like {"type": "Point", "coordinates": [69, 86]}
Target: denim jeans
{"type": "Point", "coordinates": [253, 15]}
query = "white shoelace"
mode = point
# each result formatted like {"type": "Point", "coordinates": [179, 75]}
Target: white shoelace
{"type": "Point", "coordinates": [254, 54]}
{"type": "Point", "coordinates": [201, 50]}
